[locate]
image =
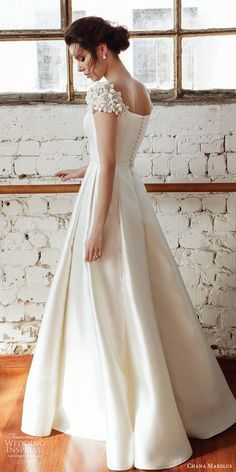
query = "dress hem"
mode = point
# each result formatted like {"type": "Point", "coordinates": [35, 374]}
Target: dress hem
{"type": "Point", "coordinates": [178, 461]}
{"type": "Point", "coordinates": [217, 431]}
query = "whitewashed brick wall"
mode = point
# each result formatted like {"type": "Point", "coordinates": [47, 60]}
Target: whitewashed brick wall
{"type": "Point", "coordinates": [183, 143]}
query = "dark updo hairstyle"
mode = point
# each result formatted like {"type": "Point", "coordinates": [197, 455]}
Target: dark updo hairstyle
{"type": "Point", "coordinates": [90, 31]}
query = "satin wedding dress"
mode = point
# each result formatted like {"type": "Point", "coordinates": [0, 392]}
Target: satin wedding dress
{"type": "Point", "coordinates": [121, 356]}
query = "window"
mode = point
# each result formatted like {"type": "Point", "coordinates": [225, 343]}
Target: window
{"type": "Point", "coordinates": [180, 49]}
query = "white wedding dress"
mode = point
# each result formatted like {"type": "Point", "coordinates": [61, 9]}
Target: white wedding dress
{"type": "Point", "coordinates": [121, 356]}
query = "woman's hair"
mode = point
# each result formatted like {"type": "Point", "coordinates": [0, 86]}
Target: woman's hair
{"type": "Point", "coordinates": [89, 31]}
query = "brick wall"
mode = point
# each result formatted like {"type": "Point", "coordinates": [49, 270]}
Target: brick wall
{"type": "Point", "coordinates": [183, 143]}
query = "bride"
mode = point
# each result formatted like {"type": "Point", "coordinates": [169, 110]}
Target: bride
{"type": "Point", "coordinates": [121, 356]}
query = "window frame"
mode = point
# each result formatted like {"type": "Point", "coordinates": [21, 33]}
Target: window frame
{"type": "Point", "coordinates": [175, 95]}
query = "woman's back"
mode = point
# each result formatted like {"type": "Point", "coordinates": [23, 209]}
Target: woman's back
{"type": "Point", "coordinates": [135, 95]}
{"type": "Point", "coordinates": [131, 125]}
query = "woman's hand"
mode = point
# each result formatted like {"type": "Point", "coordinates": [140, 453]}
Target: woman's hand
{"type": "Point", "coordinates": [93, 246]}
{"type": "Point", "coordinates": [66, 174]}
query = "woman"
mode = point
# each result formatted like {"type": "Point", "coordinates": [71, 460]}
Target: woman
{"type": "Point", "coordinates": [121, 356]}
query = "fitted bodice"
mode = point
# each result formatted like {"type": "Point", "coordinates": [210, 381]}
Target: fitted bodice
{"type": "Point", "coordinates": [131, 129]}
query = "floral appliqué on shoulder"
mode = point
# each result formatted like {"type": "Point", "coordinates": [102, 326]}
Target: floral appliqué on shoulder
{"type": "Point", "coordinates": [103, 97]}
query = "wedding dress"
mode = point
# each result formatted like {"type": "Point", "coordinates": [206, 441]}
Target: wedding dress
{"type": "Point", "coordinates": [121, 356]}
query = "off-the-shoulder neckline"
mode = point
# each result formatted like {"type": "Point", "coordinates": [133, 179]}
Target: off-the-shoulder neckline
{"type": "Point", "coordinates": [126, 106]}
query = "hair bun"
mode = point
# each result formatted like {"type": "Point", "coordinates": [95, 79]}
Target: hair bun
{"type": "Point", "coordinates": [89, 31]}
{"type": "Point", "coordinates": [117, 38]}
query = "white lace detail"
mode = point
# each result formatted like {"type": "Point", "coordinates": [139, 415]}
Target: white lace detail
{"type": "Point", "coordinates": [103, 97]}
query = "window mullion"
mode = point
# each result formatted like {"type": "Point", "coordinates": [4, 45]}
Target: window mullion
{"type": "Point", "coordinates": [33, 34]}
{"type": "Point", "coordinates": [177, 50]}
{"type": "Point", "coordinates": [66, 13]}
{"type": "Point", "coordinates": [66, 19]}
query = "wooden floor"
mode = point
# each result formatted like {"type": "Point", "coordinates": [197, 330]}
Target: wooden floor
{"type": "Point", "coordinates": [60, 452]}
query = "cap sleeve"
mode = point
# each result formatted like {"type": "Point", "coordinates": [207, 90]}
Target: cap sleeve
{"type": "Point", "coordinates": [104, 97]}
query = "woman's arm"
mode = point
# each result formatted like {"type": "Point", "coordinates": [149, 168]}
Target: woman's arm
{"type": "Point", "coordinates": [106, 126]}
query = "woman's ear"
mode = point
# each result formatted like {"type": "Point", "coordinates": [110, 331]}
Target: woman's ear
{"type": "Point", "coordinates": [102, 48]}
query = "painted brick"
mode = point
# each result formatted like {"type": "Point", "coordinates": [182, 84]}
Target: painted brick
{"type": "Point", "coordinates": [28, 148]}
{"type": "Point", "coordinates": [230, 143]}
{"type": "Point", "coordinates": [216, 145]}
{"type": "Point", "coordinates": [214, 203]}
{"type": "Point", "coordinates": [161, 164]}
{"type": "Point", "coordinates": [216, 165]}
{"type": "Point", "coordinates": [25, 165]}
{"type": "Point", "coordinates": [8, 148]}
{"type": "Point", "coordinates": [231, 163]}
{"type": "Point", "coordinates": [163, 144]}
{"type": "Point", "coordinates": [6, 166]}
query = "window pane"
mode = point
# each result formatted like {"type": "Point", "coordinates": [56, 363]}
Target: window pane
{"type": "Point", "coordinates": [135, 14]}
{"type": "Point", "coordinates": [208, 62]}
{"type": "Point", "coordinates": [208, 14]}
{"type": "Point", "coordinates": [32, 66]}
{"type": "Point", "coordinates": [152, 62]}
{"type": "Point", "coordinates": [28, 14]}
{"type": "Point", "coordinates": [149, 60]}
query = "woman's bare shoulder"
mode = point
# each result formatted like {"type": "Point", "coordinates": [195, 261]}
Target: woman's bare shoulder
{"type": "Point", "coordinates": [141, 88]}
{"type": "Point", "coordinates": [138, 97]}
{"type": "Point", "coordinates": [143, 97]}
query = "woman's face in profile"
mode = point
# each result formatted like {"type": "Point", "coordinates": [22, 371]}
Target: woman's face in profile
{"type": "Point", "coordinates": [93, 70]}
